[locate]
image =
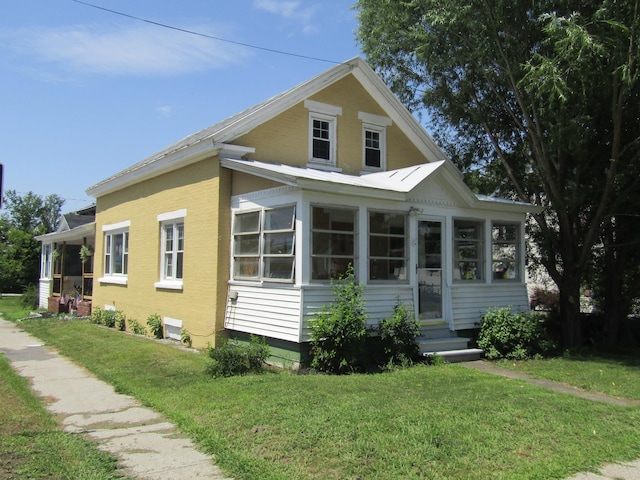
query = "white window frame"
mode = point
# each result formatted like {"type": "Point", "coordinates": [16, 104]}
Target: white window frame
{"type": "Point", "coordinates": [331, 255]}
{"type": "Point", "coordinates": [324, 112]}
{"type": "Point", "coordinates": [376, 124]}
{"type": "Point", "coordinates": [401, 274]}
{"type": "Point", "coordinates": [512, 263]}
{"type": "Point", "coordinates": [109, 232]}
{"type": "Point", "coordinates": [174, 221]}
{"type": "Point", "coordinates": [45, 269]}
{"type": "Point", "coordinates": [479, 259]}
{"type": "Point", "coordinates": [261, 256]}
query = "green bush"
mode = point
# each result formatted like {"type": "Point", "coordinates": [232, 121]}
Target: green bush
{"type": "Point", "coordinates": [185, 337]}
{"type": "Point", "coordinates": [155, 325]}
{"type": "Point", "coordinates": [120, 322]}
{"type": "Point", "coordinates": [398, 335]}
{"type": "Point", "coordinates": [338, 331]}
{"type": "Point", "coordinates": [29, 298]}
{"type": "Point", "coordinates": [108, 318]}
{"type": "Point", "coordinates": [231, 358]}
{"type": "Point", "coordinates": [136, 327]}
{"type": "Point", "coordinates": [516, 336]}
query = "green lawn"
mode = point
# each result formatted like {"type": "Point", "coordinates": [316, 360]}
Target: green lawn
{"type": "Point", "coordinates": [615, 375]}
{"type": "Point", "coordinates": [423, 422]}
{"type": "Point", "coordinates": [32, 444]}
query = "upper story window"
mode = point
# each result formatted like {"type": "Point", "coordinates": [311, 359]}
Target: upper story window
{"type": "Point", "coordinates": [468, 250]}
{"type": "Point", "coordinates": [387, 246]}
{"type": "Point", "coordinates": [505, 246]}
{"type": "Point", "coordinates": [333, 242]}
{"type": "Point", "coordinates": [323, 119]}
{"type": "Point", "coordinates": [264, 245]}
{"type": "Point", "coordinates": [116, 252]}
{"type": "Point", "coordinates": [171, 249]}
{"type": "Point", "coordinates": [374, 140]}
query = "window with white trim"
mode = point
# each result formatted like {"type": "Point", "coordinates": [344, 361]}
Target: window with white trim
{"type": "Point", "coordinates": [505, 247]}
{"type": "Point", "coordinates": [322, 132]}
{"type": "Point", "coordinates": [116, 252]}
{"type": "Point", "coordinates": [172, 250]}
{"type": "Point", "coordinates": [264, 244]}
{"type": "Point", "coordinates": [468, 250]}
{"type": "Point", "coordinates": [45, 269]}
{"type": "Point", "coordinates": [374, 148]}
{"type": "Point", "coordinates": [333, 242]}
{"type": "Point", "coordinates": [387, 246]}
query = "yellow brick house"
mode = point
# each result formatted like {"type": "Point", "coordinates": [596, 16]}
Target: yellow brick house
{"type": "Point", "coordinates": [238, 229]}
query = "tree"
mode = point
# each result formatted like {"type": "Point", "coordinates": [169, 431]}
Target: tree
{"type": "Point", "coordinates": [542, 94]}
{"type": "Point", "coordinates": [25, 217]}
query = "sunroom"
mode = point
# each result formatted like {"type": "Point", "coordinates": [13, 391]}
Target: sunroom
{"type": "Point", "coordinates": [416, 235]}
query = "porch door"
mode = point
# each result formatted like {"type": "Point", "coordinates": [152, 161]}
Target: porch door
{"type": "Point", "coordinates": [430, 280]}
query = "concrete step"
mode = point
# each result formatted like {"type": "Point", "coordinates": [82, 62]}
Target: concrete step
{"type": "Point", "coordinates": [456, 356]}
{"type": "Point", "coordinates": [442, 344]}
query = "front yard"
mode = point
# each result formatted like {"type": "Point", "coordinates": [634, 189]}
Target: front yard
{"type": "Point", "coordinates": [423, 422]}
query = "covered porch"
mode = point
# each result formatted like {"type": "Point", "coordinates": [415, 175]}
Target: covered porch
{"type": "Point", "coordinates": [66, 278]}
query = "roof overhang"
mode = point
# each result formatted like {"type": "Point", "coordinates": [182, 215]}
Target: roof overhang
{"type": "Point", "coordinates": [78, 233]}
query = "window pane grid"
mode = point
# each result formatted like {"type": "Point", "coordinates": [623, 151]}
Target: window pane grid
{"type": "Point", "coordinates": [387, 247]}
{"type": "Point", "coordinates": [173, 251]}
{"type": "Point", "coordinates": [333, 242]}
{"type": "Point", "coordinates": [468, 250]}
{"type": "Point", "coordinates": [504, 252]}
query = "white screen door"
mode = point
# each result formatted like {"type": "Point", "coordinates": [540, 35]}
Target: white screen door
{"type": "Point", "coordinates": [430, 280]}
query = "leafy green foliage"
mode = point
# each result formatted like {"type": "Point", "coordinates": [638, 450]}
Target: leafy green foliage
{"type": "Point", "coordinates": [231, 358]}
{"type": "Point", "coordinates": [515, 336]}
{"type": "Point", "coordinates": [338, 330]}
{"type": "Point", "coordinates": [24, 217]}
{"type": "Point", "coordinates": [398, 335]}
{"type": "Point", "coordinates": [29, 298]}
{"type": "Point", "coordinates": [108, 318]}
{"type": "Point", "coordinates": [136, 327]}
{"type": "Point", "coordinates": [185, 337]}
{"type": "Point", "coordinates": [511, 87]}
{"type": "Point", "coordinates": [155, 325]}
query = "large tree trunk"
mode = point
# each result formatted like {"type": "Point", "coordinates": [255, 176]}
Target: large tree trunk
{"type": "Point", "coordinates": [570, 310]}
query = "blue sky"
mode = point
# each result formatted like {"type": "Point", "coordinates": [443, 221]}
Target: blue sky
{"type": "Point", "coordinates": [85, 93]}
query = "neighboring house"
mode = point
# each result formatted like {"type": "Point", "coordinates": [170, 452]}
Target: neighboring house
{"type": "Point", "coordinates": [239, 228]}
{"type": "Point", "coordinates": [66, 279]}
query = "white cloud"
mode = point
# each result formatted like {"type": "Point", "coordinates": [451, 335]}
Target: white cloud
{"type": "Point", "coordinates": [140, 50]}
{"type": "Point", "coordinates": [291, 10]}
{"type": "Point", "coordinates": [164, 110]}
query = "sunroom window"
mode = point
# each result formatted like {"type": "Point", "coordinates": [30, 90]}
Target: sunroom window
{"type": "Point", "coordinates": [504, 251]}
{"type": "Point", "coordinates": [333, 238]}
{"type": "Point", "coordinates": [468, 250]}
{"type": "Point", "coordinates": [387, 246]}
{"type": "Point", "coordinates": [264, 245]}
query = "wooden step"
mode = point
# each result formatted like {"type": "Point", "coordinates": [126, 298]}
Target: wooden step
{"type": "Point", "coordinates": [442, 344]}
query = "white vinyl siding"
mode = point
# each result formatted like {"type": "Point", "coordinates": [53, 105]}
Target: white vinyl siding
{"type": "Point", "coordinates": [471, 301]}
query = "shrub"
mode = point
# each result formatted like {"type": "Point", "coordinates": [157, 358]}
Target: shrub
{"type": "Point", "coordinates": [398, 335]}
{"type": "Point", "coordinates": [96, 316]}
{"type": "Point", "coordinates": [185, 337]}
{"type": "Point", "coordinates": [544, 299]}
{"type": "Point", "coordinates": [231, 359]}
{"type": "Point", "coordinates": [338, 331]}
{"type": "Point", "coordinates": [29, 298]}
{"type": "Point", "coordinates": [505, 334]}
{"type": "Point", "coordinates": [108, 318]}
{"type": "Point", "coordinates": [155, 325]}
{"type": "Point", "coordinates": [136, 327]}
{"type": "Point", "coordinates": [120, 322]}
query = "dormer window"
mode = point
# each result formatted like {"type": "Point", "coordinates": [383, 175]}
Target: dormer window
{"type": "Point", "coordinates": [322, 133]}
{"type": "Point", "coordinates": [374, 148]}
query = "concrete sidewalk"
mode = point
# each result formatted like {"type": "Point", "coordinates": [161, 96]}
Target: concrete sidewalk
{"type": "Point", "coordinates": [145, 444]}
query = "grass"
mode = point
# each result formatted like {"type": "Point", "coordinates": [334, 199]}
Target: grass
{"type": "Point", "coordinates": [422, 422]}
{"type": "Point", "coordinates": [32, 444]}
{"type": "Point", "coordinates": [613, 374]}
